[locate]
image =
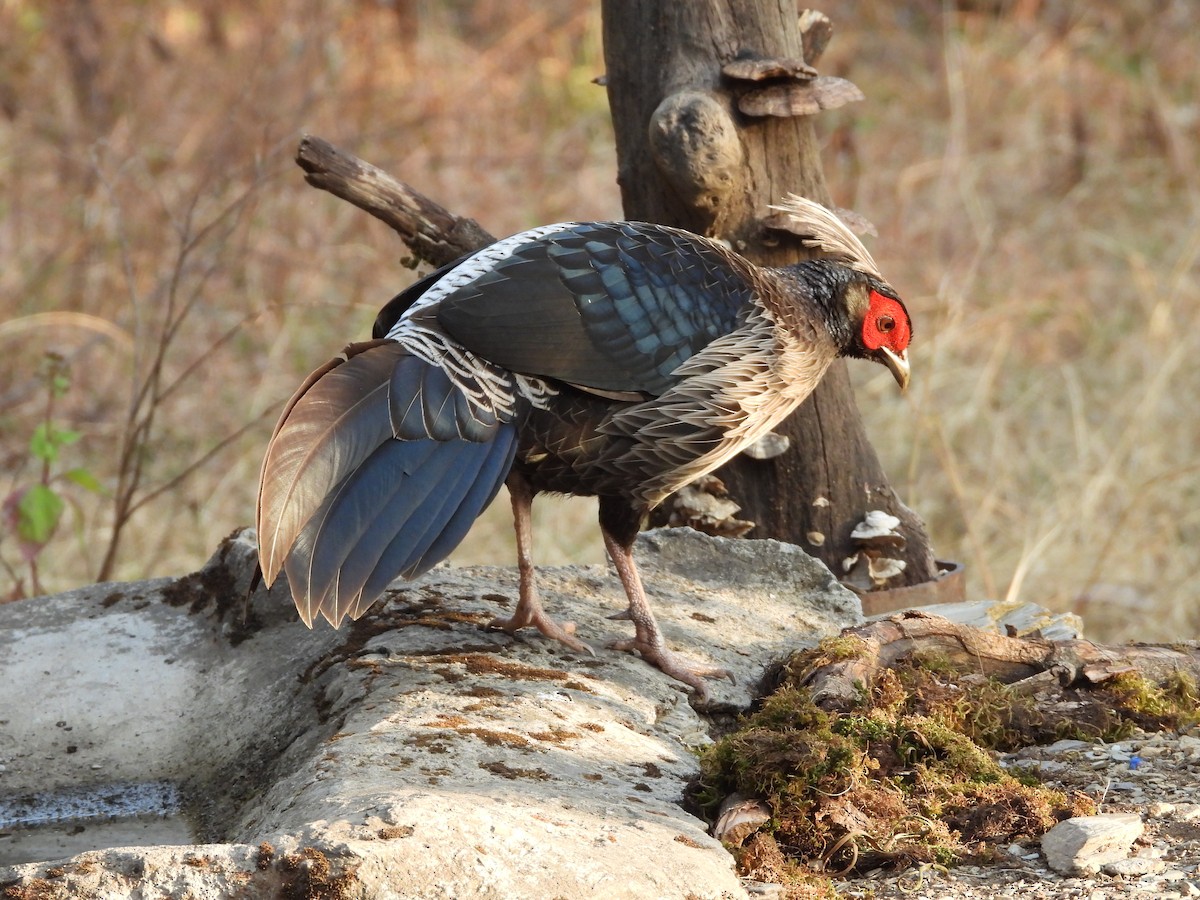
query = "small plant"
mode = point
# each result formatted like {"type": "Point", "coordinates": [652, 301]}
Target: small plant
{"type": "Point", "coordinates": [33, 511]}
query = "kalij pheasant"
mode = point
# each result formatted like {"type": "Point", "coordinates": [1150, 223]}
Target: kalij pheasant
{"type": "Point", "coordinates": [615, 359]}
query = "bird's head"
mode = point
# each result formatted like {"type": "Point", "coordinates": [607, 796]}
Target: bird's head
{"type": "Point", "coordinates": [881, 329]}
{"type": "Point", "coordinates": [863, 312]}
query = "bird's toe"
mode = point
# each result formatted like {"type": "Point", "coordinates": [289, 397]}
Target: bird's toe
{"type": "Point", "coordinates": [689, 672]}
{"type": "Point", "coordinates": [563, 632]}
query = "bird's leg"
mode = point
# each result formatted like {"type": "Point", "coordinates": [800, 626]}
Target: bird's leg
{"type": "Point", "coordinates": [529, 608]}
{"type": "Point", "coordinates": [619, 524]}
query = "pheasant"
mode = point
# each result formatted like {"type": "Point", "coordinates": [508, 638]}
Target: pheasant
{"type": "Point", "coordinates": [614, 359]}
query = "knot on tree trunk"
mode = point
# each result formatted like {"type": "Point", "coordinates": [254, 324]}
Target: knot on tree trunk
{"type": "Point", "coordinates": [696, 148]}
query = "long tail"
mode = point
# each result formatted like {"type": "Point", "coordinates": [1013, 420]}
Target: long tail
{"type": "Point", "coordinates": [376, 470]}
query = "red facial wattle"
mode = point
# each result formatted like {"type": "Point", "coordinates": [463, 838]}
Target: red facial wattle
{"type": "Point", "coordinates": [886, 324]}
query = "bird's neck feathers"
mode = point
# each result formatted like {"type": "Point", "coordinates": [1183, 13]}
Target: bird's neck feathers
{"type": "Point", "coordinates": [830, 293]}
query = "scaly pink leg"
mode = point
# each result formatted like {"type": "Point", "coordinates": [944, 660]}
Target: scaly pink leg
{"type": "Point", "coordinates": [529, 608]}
{"type": "Point", "coordinates": [619, 527]}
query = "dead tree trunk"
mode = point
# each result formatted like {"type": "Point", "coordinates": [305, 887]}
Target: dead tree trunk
{"type": "Point", "coordinates": [710, 103]}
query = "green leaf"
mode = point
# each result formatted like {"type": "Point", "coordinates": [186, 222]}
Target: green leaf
{"type": "Point", "coordinates": [85, 480]}
{"type": "Point", "coordinates": [64, 436]}
{"type": "Point", "coordinates": [48, 438]}
{"type": "Point", "coordinates": [38, 513]}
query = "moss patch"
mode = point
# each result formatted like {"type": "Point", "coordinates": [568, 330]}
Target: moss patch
{"type": "Point", "coordinates": [507, 771]}
{"type": "Point", "coordinates": [214, 590]}
{"type": "Point", "coordinates": [309, 875]}
{"type": "Point", "coordinates": [907, 775]}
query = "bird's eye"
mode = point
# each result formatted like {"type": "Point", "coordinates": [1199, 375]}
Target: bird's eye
{"type": "Point", "coordinates": [885, 323]}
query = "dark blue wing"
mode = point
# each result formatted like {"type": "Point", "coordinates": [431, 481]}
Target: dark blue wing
{"type": "Point", "coordinates": [395, 308]}
{"type": "Point", "coordinates": [614, 306]}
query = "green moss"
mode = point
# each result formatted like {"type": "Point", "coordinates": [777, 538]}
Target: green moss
{"type": "Point", "coordinates": [907, 774]}
{"type": "Point", "coordinates": [907, 771]}
{"type": "Point", "coordinates": [1176, 703]}
{"type": "Point", "coordinates": [838, 648]}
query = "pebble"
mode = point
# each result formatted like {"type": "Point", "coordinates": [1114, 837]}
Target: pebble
{"type": "Point", "coordinates": [765, 889]}
{"type": "Point", "coordinates": [1133, 867]}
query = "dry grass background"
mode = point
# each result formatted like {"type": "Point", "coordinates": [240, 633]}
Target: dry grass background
{"type": "Point", "coordinates": [1031, 168]}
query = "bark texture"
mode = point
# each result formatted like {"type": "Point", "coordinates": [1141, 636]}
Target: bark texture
{"type": "Point", "coordinates": [680, 78]}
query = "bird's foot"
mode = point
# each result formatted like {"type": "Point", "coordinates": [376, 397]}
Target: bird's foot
{"type": "Point", "coordinates": [564, 633]}
{"type": "Point", "coordinates": [690, 673]}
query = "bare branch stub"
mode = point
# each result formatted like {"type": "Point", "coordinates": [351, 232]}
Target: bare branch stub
{"type": "Point", "coordinates": [431, 232]}
{"type": "Point", "coordinates": [817, 29]}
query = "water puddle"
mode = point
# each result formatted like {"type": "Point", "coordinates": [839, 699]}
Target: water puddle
{"type": "Point", "coordinates": [56, 824]}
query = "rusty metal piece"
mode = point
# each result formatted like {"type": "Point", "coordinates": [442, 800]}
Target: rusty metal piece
{"type": "Point", "coordinates": [949, 587]}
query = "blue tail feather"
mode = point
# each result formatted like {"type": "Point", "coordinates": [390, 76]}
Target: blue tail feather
{"type": "Point", "coordinates": [466, 507]}
{"type": "Point", "coordinates": [409, 556]}
{"type": "Point", "coordinates": [412, 521]}
{"type": "Point", "coordinates": [400, 513]}
{"type": "Point", "coordinates": [368, 509]}
{"type": "Point", "coordinates": [348, 514]}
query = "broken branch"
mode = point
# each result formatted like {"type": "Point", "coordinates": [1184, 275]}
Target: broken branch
{"type": "Point", "coordinates": [431, 231]}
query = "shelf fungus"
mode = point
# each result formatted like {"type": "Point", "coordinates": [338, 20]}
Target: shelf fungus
{"type": "Point", "coordinates": [875, 538]}
{"type": "Point", "coordinates": [799, 98]}
{"type": "Point", "coordinates": [771, 86]}
{"type": "Point", "coordinates": [769, 446]}
{"type": "Point", "coordinates": [750, 68]}
{"type": "Point", "coordinates": [705, 506]}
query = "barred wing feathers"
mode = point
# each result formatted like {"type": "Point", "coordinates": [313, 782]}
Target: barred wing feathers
{"type": "Point", "coordinates": [609, 306]}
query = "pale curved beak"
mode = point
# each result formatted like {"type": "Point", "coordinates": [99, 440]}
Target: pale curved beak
{"type": "Point", "coordinates": [897, 364]}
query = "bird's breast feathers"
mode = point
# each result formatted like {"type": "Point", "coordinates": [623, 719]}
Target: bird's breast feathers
{"type": "Point", "coordinates": [727, 396]}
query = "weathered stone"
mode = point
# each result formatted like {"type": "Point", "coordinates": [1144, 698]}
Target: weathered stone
{"type": "Point", "coordinates": [1086, 843]}
{"type": "Point", "coordinates": [412, 754]}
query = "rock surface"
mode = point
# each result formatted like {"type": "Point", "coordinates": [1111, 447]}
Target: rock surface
{"type": "Point", "coordinates": [1086, 843]}
{"type": "Point", "coordinates": [413, 754]}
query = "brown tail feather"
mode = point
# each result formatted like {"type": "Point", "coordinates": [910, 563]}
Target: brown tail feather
{"type": "Point", "coordinates": [337, 417]}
